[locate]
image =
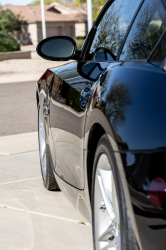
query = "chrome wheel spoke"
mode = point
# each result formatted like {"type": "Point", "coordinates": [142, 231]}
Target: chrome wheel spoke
{"type": "Point", "coordinates": [112, 244]}
{"type": "Point", "coordinates": [105, 187]}
{"type": "Point", "coordinates": [115, 201]}
{"type": "Point", "coordinates": [42, 131]}
{"type": "Point", "coordinates": [43, 163]}
{"type": "Point", "coordinates": [42, 146]}
{"type": "Point", "coordinates": [44, 158]}
{"type": "Point", "coordinates": [107, 234]}
{"type": "Point", "coordinates": [107, 224]}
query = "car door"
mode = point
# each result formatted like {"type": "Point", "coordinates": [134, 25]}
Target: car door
{"type": "Point", "coordinates": [67, 119]}
{"type": "Point", "coordinates": [131, 94]}
{"type": "Point", "coordinates": [72, 91]}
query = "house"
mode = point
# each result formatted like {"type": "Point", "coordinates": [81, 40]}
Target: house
{"type": "Point", "coordinates": [60, 20]}
{"type": "Point", "coordinates": [80, 14]}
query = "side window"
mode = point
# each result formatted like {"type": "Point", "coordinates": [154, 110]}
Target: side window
{"type": "Point", "coordinates": [145, 32]}
{"type": "Point", "coordinates": [160, 52]}
{"type": "Point", "coordinates": [112, 29]}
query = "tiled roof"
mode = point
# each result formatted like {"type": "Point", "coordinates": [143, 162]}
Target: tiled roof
{"type": "Point", "coordinates": [32, 14]}
{"type": "Point", "coordinates": [68, 8]}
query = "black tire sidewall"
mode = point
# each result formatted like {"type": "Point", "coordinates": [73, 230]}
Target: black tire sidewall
{"type": "Point", "coordinates": [104, 147]}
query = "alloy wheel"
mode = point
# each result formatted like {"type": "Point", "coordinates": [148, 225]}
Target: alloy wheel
{"type": "Point", "coordinates": [106, 208]}
{"type": "Point", "coordinates": [42, 146]}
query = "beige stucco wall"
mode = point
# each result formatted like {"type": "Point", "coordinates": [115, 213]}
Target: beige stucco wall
{"type": "Point", "coordinates": [80, 29]}
{"type": "Point", "coordinates": [32, 29]}
{"type": "Point", "coordinates": [71, 29]}
{"type": "Point", "coordinates": [57, 29]}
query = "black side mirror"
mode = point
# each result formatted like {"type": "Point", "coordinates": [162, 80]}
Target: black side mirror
{"type": "Point", "coordinates": [91, 70]}
{"type": "Point", "coordinates": [57, 48]}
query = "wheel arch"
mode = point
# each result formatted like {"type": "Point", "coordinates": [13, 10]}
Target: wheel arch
{"type": "Point", "coordinates": [96, 126]}
{"type": "Point", "coordinates": [96, 132]}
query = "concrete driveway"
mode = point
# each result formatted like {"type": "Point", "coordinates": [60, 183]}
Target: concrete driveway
{"type": "Point", "coordinates": [30, 216]}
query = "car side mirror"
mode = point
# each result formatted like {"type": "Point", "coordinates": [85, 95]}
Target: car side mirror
{"type": "Point", "coordinates": [57, 48]}
{"type": "Point", "coordinates": [92, 70]}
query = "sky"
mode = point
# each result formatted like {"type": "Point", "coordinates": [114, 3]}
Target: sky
{"type": "Point", "coordinates": [15, 2]}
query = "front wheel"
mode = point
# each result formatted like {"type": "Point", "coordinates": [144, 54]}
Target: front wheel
{"type": "Point", "coordinates": [49, 180]}
{"type": "Point", "coordinates": [110, 217]}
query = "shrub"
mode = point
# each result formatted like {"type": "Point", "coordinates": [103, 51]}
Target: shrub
{"type": "Point", "coordinates": [10, 22]}
{"type": "Point", "coordinates": [79, 43]}
{"type": "Point", "coordinates": [8, 42]}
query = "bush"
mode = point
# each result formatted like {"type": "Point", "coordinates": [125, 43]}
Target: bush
{"type": "Point", "coordinates": [10, 22]}
{"type": "Point", "coordinates": [8, 42]}
{"type": "Point", "coordinates": [79, 43]}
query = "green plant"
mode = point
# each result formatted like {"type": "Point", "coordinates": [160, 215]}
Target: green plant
{"type": "Point", "coordinates": [8, 42]}
{"type": "Point", "coordinates": [10, 22]}
{"type": "Point", "coordinates": [38, 2]}
{"type": "Point", "coordinates": [79, 43]}
{"type": "Point", "coordinates": [82, 222]}
{"type": "Point", "coordinates": [96, 6]}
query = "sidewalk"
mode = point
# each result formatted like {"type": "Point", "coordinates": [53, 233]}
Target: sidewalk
{"type": "Point", "coordinates": [21, 70]}
{"type": "Point", "coordinates": [32, 217]}
{"type": "Point", "coordinates": [18, 144]}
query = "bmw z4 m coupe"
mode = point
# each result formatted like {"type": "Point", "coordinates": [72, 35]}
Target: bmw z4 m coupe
{"type": "Point", "coordinates": [102, 124]}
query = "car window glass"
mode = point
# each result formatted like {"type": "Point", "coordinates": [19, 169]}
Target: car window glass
{"type": "Point", "coordinates": [112, 29]}
{"type": "Point", "coordinates": [160, 52]}
{"type": "Point", "coordinates": [145, 32]}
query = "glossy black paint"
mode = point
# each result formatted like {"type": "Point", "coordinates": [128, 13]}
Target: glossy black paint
{"type": "Point", "coordinates": [126, 100]}
{"type": "Point", "coordinates": [133, 99]}
{"type": "Point", "coordinates": [140, 169]}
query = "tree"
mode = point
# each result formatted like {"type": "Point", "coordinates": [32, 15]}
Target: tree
{"type": "Point", "coordinates": [146, 31]}
{"type": "Point", "coordinates": [10, 22]}
{"type": "Point", "coordinates": [111, 30]}
{"type": "Point", "coordinates": [116, 100]}
{"type": "Point", "coordinates": [96, 6]}
{"type": "Point", "coordinates": [38, 2]}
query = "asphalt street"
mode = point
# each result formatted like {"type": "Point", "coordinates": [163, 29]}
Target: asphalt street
{"type": "Point", "coordinates": [30, 216]}
{"type": "Point", "coordinates": [18, 110]}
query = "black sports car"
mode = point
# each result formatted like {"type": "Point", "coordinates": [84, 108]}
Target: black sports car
{"type": "Point", "coordinates": [102, 124]}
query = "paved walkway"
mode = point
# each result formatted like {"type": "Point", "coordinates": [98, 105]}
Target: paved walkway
{"type": "Point", "coordinates": [21, 70]}
{"type": "Point", "coordinates": [32, 217]}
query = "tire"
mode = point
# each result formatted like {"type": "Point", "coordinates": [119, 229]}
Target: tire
{"type": "Point", "coordinates": [49, 180]}
{"type": "Point", "coordinates": [111, 230]}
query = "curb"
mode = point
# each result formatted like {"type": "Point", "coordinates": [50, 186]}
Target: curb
{"type": "Point", "coordinates": [18, 55]}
